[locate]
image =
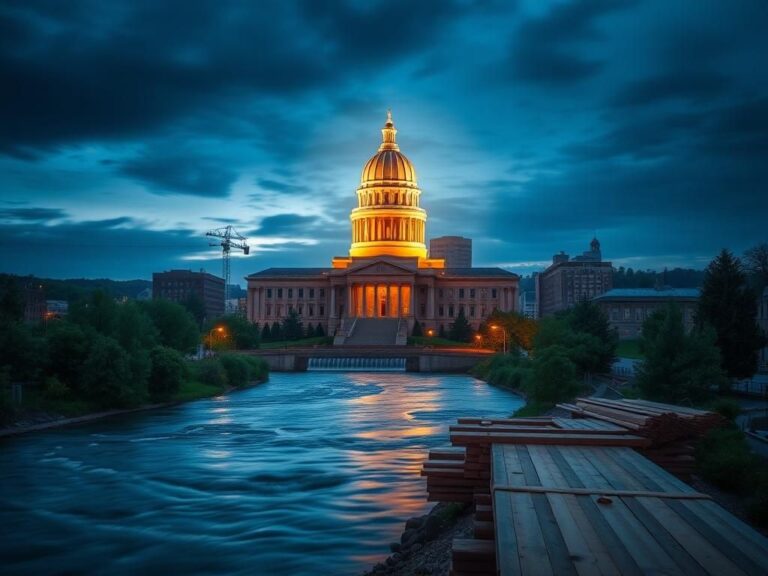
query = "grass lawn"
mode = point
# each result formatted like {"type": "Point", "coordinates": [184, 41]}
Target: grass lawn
{"type": "Point", "coordinates": [629, 349]}
{"type": "Point", "coordinates": [192, 390]}
{"type": "Point", "coordinates": [316, 341]}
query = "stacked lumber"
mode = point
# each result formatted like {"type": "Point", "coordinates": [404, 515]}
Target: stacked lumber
{"type": "Point", "coordinates": [671, 429]}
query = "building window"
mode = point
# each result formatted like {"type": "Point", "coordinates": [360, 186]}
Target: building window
{"type": "Point", "coordinates": [494, 293]}
{"type": "Point", "coordinates": [311, 292]}
{"type": "Point", "coordinates": [322, 310]}
{"type": "Point", "coordinates": [471, 311]}
{"type": "Point", "coordinates": [269, 310]}
{"type": "Point", "coordinates": [279, 292]}
{"type": "Point", "coordinates": [614, 313]}
{"type": "Point", "coordinates": [322, 294]}
{"type": "Point", "coordinates": [440, 293]}
{"type": "Point", "coordinates": [627, 314]}
{"type": "Point", "coordinates": [450, 311]}
{"type": "Point", "coordinates": [311, 310]}
{"type": "Point", "coordinates": [301, 310]}
{"type": "Point", "coordinates": [269, 292]}
{"type": "Point", "coordinates": [440, 311]}
{"type": "Point", "coordinates": [638, 314]}
{"type": "Point", "coordinates": [301, 292]}
{"type": "Point", "coordinates": [461, 292]}
{"type": "Point", "coordinates": [471, 292]}
{"type": "Point", "coordinates": [290, 292]}
{"type": "Point", "coordinates": [423, 309]}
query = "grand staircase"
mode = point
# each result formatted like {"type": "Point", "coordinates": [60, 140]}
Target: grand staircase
{"type": "Point", "coordinates": [375, 332]}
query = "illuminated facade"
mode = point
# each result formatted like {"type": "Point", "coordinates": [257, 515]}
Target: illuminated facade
{"type": "Point", "coordinates": [388, 273]}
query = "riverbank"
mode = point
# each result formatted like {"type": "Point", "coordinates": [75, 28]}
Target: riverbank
{"type": "Point", "coordinates": [44, 420]}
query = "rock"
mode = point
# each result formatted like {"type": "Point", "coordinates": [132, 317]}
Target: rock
{"type": "Point", "coordinates": [407, 535]}
{"type": "Point", "coordinates": [414, 523]}
{"type": "Point", "coordinates": [416, 547]}
{"type": "Point", "coordinates": [397, 557]}
{"type": "Point", "coordinates": [390, 561]}
{"type": "Point", "coordinates": [395, 546]}
{"type": "Point", "coordinates": [380, 567]}
{"type": "Point", "coordinates": [432, 527]}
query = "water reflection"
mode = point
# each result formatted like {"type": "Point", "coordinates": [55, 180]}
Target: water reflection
{"type": "Point", "coordinates": [306, 466]}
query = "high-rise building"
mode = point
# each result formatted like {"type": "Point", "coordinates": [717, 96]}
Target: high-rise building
{"type": "Point", "coordinates": [181, 285]}
{"type": "Point", "coordinates": [387, 279]}
{"type": "Point", "coordinates": [455, 250]}
{"type": "Point", "coordinates": [570, 280]}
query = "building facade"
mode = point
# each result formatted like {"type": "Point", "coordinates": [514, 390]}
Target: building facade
{"type": "Point", "coordinates": [570, 280]}
{"type": "Point", "coordinates": [180, 285]}
{"type": "Point", "coordinates": [388, 273]}
{"type": "Point", "coordinates": [455, 250]}
{"type": "Point", "coordinates": [628, 308]}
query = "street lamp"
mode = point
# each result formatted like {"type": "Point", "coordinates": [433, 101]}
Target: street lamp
{"type": "Point", "coordinates": [220, 330]}
{"type": "Point", "coordinates": [504, 331]}
{"type": "Point", "coordinates": [430, 332]}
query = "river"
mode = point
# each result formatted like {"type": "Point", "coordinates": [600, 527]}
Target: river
{"type": "Point", "coordinates": [310, 473]}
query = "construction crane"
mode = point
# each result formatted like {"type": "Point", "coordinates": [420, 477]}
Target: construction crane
{"type": "Point", "coordinates": [229, 239]}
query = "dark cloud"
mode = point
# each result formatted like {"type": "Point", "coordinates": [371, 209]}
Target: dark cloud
{"type": "Point", "coordinates": [37, 214]}
{"type": "Point", "coordinates": [280, 186]}
{"type": "Point", "coordinates": [549, 50]}
{"type": "Point", "coordinates": [180, 173]}
{"type": "Point", "coordinates": [700, 86]}
{"type": "Point", "coordinates": [114, 248]}
{"type": "Point", "coordinates": [286, 224]}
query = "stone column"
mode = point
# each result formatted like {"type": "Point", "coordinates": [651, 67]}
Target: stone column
{"type": "Point", "coordinates": [431, 302]}
{"type": "Point", "coordinates": [333, 301]}
{"type": "Point", "coordinates": [350, 298]}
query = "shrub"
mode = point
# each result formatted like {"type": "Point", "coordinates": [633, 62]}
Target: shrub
{"type": "Point", "coordinates": [7, 410]}
{"type": "Point", "coordinates": [258, 368]}
{"type": "Point", "coordinates": [553, 376]}
{"type": "Point", "coordinates": [211, 372]}
{"type": "Point", "coordinates": [237, 369]}
{"type": "Point", "coordinates": [723, 458]}
{"type": "Point", "coordinates": [727, 408]}
{"type": "Point", "coordinates": [55, 389]}
{"type": "Point", "coordinates": [166, 373]}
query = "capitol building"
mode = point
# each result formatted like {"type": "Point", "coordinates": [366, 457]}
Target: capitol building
{"type": "Point", "coordinates": [388, 280]}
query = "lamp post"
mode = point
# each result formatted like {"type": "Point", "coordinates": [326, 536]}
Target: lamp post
{"type": "Point", "coordinates": [504, 331]}
{"type": "Point", "coordinates": [220, 330]}
{"type": "Point", "coordinates": [430, 332]}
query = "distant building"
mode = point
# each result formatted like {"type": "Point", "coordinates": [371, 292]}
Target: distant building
{"type": "Point", "coordinates": [455, 250]}
{"type": "Point", "coordinates": [56, 308]}
{"type": "Point", "coordinates": [34, 302]}
{"type": "Point", "coordinates": [762, 320]}
{"type": "Point", "coordinates": [528, 305]}
{"type": "Point", "coordinates": [628, 308]}
{"type": "Point", "coordinates": [570, 280]}
{"type": "Point", "coordinates": [236, 306]}
{"type": "Point", "coordinates": [180, 285]}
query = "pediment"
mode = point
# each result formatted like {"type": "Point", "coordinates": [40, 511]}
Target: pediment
{"type": "Point", "coordinates": [381, 268]}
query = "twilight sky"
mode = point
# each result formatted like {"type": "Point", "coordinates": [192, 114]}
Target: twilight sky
{"type": "Point", "coordinates": [128, 129]}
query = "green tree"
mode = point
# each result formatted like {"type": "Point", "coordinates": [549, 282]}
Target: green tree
{"type": "Point", "coordinates": [520, 331]}
{"type": "Point", "coordinates": [68, 347]}
{"type": "Point", "coordinates": [106, 375]}
{"type": "Point", "coordinates": [22, 351]}
{"type": "Point", "coordinates": [729, 305]}
{"type": "Point", "coordinates": [441, 332]}
{"type": "Point", "coordinates": [276, 331]}
{"type": "Point", "coordinates": [756, 263]}
{"type": "Point", "coordinates": [99, 311]}
{"type": "Point", "coordinates": [553, 376]}
{"type": "Point", "coordinates": [292, 326]}
{"type": "Point", "coordinates": [241, 334]}
{"type": "Point", "coordinates": [11, 300]}
{"type": "Point", "coordinates": [175, 326]}
{"type": "Point", "coordinates": [461, 330]}
{"type": "Point", "coordinates": [166, 374]}
{"type": "Point", "coordinates": [310, 332]}
{"type": "Point", "coordinates": [677, 367]}
{"type": "Point", "coordinates": [196, 307]}
{"type": "Point", "coordinates": [266, 333]}
{"type": "Point", "coordinates": [319, 330]}
{"type": "Point", "coordinates": [417, 331]}
{"type": "Point", "coordinates": [588, 318]}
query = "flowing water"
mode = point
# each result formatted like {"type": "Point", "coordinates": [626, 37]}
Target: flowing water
{"type": "Point", "coordinates": [310, 473]}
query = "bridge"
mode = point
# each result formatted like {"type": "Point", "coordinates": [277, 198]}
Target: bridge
{"type": "Point", "coordinates": [365, 358]}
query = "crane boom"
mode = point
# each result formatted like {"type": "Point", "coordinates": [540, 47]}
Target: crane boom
{"type": "Point", "coordinates": [229, 238]}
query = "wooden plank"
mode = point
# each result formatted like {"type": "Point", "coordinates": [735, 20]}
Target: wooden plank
{"type": "Point", "coordinates": [643, 548]}
{"type": "Point", "coordinates": [603, 492]}
{"type": "Point", "coordinates": [527, 430]}
{"type": "Point", "coordinates": [533, 421]}
{"type": "Point", "coordinates": [709, 558]}
{"type": "Point", "coordinates": [740, 529]}
{"type": "Point", "coordinates": [589, 476]}
{"type": "Point", "coordinates": [575, 535]}
{"type": "Point", "coordinates": [507, 558]}
{"type": "Point", "coordinates": [616, 474]}
{"type": "Point", "coordinates": [629, 440]}
{"type": "Point", "coordinates": [534, 559]}
{"type": "Point", "coordinates": [697, 518]}
{"type": "Point", "coordinates": [659, 532]}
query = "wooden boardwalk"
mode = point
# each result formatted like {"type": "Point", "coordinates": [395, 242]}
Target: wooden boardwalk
{"type": "Point", "coordinates": [608, 510]}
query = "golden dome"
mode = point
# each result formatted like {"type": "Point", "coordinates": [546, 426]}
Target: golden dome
{"type": "Point", "coordinates": [388, 164]}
